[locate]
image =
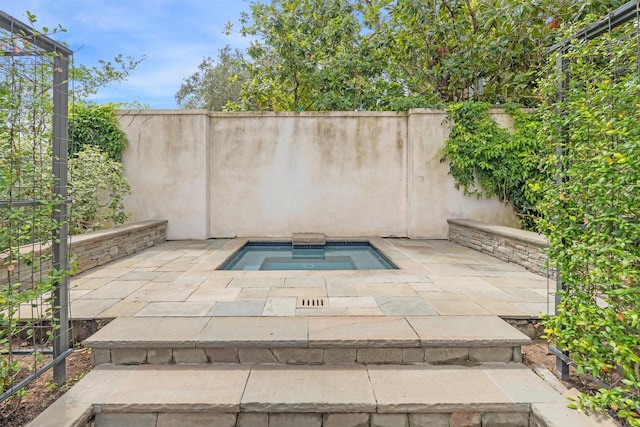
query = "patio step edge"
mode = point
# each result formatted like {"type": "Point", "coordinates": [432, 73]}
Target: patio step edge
{"type": "Point", "coordinates": [305, 356]}
{"type": "Point", "coordinates": [321, 396]}
{"type": "Point", "coordinates": [312, 340]}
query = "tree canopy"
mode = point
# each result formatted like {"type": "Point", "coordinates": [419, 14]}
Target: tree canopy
{"type": "Point", "coordinates": [217, 82]}
{"type": "Point", "coordinates": [384, 54]}
{"type": "Point", "coordinates": [313, 55]}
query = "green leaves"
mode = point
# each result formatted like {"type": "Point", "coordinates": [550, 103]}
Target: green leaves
{"type": "Point", "coordinates": [97, 126]}
{"type": "Point", "coordinates": [97, 191]}
{"type": "Point", "coordinates": [315, 55]}
{"type": "Point", "coordinates": [463, 50]}
{"type": "Point", "coordinates": [27, 278]}
{"type": "Point", "coordinates": [392, 55]}
{"type": "Point", "coordinates": [486, 159]}
{"type": "Point", "coordinates": [592, 216]}
{"type": "Point", "coordinates": [217, 83]}
{"type": "Point", "coordinates": [26, 224]}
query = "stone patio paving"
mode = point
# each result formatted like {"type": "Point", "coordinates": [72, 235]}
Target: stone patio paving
{"type": "Point", "coordinates": [370, 356]}
{"type": "Point", "coordinates": [436, 277]}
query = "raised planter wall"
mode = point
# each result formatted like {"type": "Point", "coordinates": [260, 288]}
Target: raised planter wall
{"type": "Point", "coordinates": [100, 247]}
{"type": "Point", "coordinates": [508, 244]}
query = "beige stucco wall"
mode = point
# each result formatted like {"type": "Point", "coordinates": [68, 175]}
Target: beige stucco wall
{"type": "Point", "coordinates": [273, 174]}
{"type": "Point", "coordinates": [333, 173]}
{"type": "Point", "coordinates": [166, 164]}
{"type": "Point", "coordinates": [432, 197]}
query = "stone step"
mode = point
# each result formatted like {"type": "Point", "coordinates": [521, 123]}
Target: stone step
{"type": "Point", "coordinates": [235, 395]}
{"type": "Point", "coordinates": [315, 239]}
{"type": "Point", "coordinates": [307, 340]}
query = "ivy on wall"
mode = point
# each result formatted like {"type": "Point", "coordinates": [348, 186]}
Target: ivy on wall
{"type": "Point", "coordinates": [591, 217]}
{"type": "Point", "coordinates": [96, 125]}
{"type": "Point", "coordinates": [486, 159]}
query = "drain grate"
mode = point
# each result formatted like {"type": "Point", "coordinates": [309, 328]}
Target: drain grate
{"type": "Point", "coordinates": [312, 303]}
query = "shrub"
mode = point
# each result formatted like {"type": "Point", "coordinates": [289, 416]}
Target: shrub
{"type": "Point", "coordinates": [592, 217]}
{"type": "Point", "coordinates": [97, 190]}
{"type": "Point", "coordinates": [96, 125]}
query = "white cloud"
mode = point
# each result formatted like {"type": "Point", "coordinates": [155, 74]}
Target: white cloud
{"type": "Point", "coordinates": [174, 35]}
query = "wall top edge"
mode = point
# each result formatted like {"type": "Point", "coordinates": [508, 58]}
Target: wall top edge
{"type": "Point", "coordinates": [166, 112]}
{"type": "Point", "coordinates": [241, 114]}
{"type": "Point", "coordinates": [308, 114]}
{"type": "Point", "coordinates": [117, 230]}
{"type": "Point", "coordinates": [302, 114]}
{"type": "Point", "coordinates": [492, 111]}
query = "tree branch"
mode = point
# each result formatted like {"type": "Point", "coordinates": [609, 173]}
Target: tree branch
{"type": "Point", "coordinates": [444, 2]}
{"type": "Point", "coordinates": [472, 12]}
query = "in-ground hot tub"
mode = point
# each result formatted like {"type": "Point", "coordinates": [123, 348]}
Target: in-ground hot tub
{"type": "Point", "coordinates": [338, 255]}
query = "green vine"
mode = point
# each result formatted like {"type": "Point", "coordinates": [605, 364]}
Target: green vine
{"type": "Point", "coordinates": [96, 125]}
{"type": "Point", "coordinates": [486, 159]}
{"type": "Point", "coordinates": [27, 279]}
{"type": "Point", "coordinates": [593, 217]}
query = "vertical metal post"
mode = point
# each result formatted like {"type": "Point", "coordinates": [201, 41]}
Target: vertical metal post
{"type": "Point", "coordinates": [562, 368]}
{"type": "Point", "coordinates": [60, 238]}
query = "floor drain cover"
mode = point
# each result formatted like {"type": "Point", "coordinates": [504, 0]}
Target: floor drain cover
{"type": "Point", "coordinates": [312, 302]}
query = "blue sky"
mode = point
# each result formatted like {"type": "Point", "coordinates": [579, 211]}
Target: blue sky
{"type": "Point", "coordinates": [173, 34]}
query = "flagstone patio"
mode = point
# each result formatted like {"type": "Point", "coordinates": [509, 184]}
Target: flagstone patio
{"type": "Point", "coordinates": [436, 277]}
{"type": "Point", "coordinates": [192, 345]}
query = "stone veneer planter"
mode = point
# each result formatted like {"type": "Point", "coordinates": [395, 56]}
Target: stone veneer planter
{"type": "Point", "coordinates": [100, 247]}
{"type": "Point", "coordinates": [96, 248]}
{"type": "Point", "coordinates": [508, 244]}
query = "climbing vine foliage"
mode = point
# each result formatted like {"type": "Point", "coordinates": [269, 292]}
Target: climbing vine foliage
{"type": "Point", "coordinates": [27, 203]}
{"type": "Point", "coordinates": [96, 126]}
{"type": "Point", "coordinates": [592, 217]}
{"type": "Point", "coordinates": [487, 159]}
{"type": "Point", "coordinates": [26, 206]}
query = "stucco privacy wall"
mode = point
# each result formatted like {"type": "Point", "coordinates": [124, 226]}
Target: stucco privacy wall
{"type": "Point", "coordinates": [273, 174]}
{"type": "Point", "coordinates": [432, 197]}
{"type": "Point", "coordinates": [342, 174]}
{"type": "Point", "coordinates": [167, 164]}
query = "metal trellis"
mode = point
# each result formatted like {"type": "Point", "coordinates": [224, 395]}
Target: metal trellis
{"type": "Point", "coordinates": [59, 125]}
{"type": "Point", "coordinates": [625, 13]}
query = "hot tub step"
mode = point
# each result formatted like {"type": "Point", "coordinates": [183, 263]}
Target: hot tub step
{"type": "Point", "coordinates": [314, 239]}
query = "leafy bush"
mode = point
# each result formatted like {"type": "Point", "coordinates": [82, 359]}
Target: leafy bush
{"type": "Point", "coordinates": [592, 217]}
{"type": "Point", "coordinates": [97, 185]}
{"type": "Point", "coordinates": [97, 190]}
{"type": "Point", "coordinates": [96, 125]}
{"type": "Point", "coordinates": [27, 201]}
{"type": "Point", "coordinates": [487, 159]}
{"type": "Point", "coordinates": [26, 207]}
